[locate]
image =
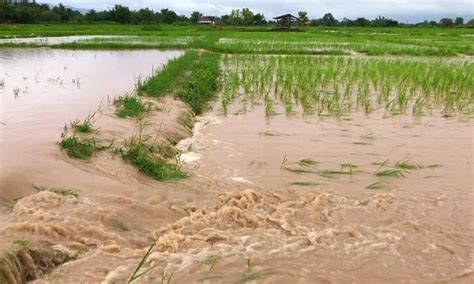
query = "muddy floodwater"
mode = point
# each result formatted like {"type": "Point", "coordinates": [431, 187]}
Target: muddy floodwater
{"type": "Point", "coordinates": [306, 199]}
{"type": "Point", "coordinates": [41, 90]}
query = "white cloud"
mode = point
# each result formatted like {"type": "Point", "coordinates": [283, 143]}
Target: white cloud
{"type": "Point", "coordinates": [404, 10]}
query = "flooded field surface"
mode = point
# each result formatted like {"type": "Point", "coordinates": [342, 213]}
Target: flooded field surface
{"type": "Point", "coordinates": [272, 195]}
{"type": "Point", "coordinates": [44, 89]}
{"type": "Point", "coordinates": [53, 40]}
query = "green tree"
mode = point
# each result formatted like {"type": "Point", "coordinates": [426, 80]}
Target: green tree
{"type": "Point", "coordinates": [446, 22]}
{"type": "Point", "coordinates": [328, 20]}
{"type": "Point", "coordinates": [146, 16]}
{"type": "Point", "coordinates": [470, 23]}
{"type": "Point", "coordinates": [459, 21]}
{"type": "Point", "coordinates": [235, 18]}
{"type": "Point", "coordinates": [168, 16]}
{"type": "Point", "coordinates": [195, 16]}
{"type": "Point", "coordinates": [259, 19]}
{"type": "Point", "coordinates": [247, 17]}
{"type": "Point", "coordinates": [49, 16]}
{"type": "Point", "coordinates": [121, 14]}
{"type": "Point", "coordinates": [91, 16]}
{"type": "Point", "coordinates": [362, 22]}
{"type": "Point", "coordinates": [303, 17]}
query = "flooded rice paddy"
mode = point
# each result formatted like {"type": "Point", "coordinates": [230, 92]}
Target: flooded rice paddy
{"type": "Point", "coordinates": [365, 198]}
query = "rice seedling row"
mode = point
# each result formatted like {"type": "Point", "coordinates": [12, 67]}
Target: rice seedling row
{"type": "Point", "coordinates": [338, 85]}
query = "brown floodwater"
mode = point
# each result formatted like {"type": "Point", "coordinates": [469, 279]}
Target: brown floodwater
{"type": "Point", "coordinates": [269, 200]}
{"type": "Point", "coordinates": [42, 90]}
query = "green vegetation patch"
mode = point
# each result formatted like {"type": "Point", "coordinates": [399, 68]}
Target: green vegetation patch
{"type": "Point", "coordinates": [130, 106]}
{"type": "Point", "coordinates": [165, 80]}
{"type": "Point", "coordinates": [193, 78]}
{"type": "Point", "coordinates": [78, 149]}
{"type": "Point", "coordinates": [65, 192]}
{"type": "Point", "coordinates": [201, 85]}
{"type": "Point", "coordinates": [143, 159]}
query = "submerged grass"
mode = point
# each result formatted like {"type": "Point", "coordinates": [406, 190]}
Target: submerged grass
{"type": "Point", "coordinates": [377, 185]}
{"type": "Point", "coordinates": [390, 173]}
{"type": "Point", "coordinates": [406, 165]}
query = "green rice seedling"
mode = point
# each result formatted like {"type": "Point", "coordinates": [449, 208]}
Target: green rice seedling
{"type": "Point", "coordinates": [307, 162]}
{"type": "Point", "coordinates": [137, 274]}
{"type": "Point", "coordinates": [211, 262]}
{"type": "Point", "coordinates": [284, 162]}
{"type": "Point", "coordinates": [350, 168]}
{"type": "Point", "coordinates": [65, 192]}
{"type": "Point", "coordinates": [381, 164]}
{"type": "Point", "coordinates": [166, 277]}
{"type": "Point", "coordinates": [254, 275]}
{"type": "Point", "coordinates": [22, 243]}
{"type": "Point", "coordinates": [433, 166]}
{"type": "Point", "coordinates": [78, 149]}
{"type": "Point", "coordinates": [144, 160]}
{"type": "Point", "coordinates": [361, 143]}
{"type": "Point", "coordinates": [368, 136]}
{"type": "Point", "coordinates": [390, 173]}
{"type": "Point", "coordinates": [304, 183]}
{"type": "Point", "coordinates": [377, 185]}
{"type": "Point", "coordinates": [406, 165]}
{"type": "Point", "coordinates": [300, 170]}
{"type": "Point", "coordinates": [130, 106]}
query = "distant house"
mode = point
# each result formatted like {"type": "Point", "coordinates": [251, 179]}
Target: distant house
{"type": "Point", "coordinates": [207, 20]}
{"type": "Point", "coordinates": [286, 21]}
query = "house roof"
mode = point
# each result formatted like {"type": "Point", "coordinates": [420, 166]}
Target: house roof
{"type": "Point", "coordinates": [286, 16]}
{"type": "Point", "coordinates": [206, 19]}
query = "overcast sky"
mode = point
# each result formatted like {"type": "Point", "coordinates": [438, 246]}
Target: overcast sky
{"type": "Point", "coordinates": [402, 10]}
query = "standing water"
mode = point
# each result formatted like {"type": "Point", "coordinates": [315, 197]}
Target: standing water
{"type": "Point", "coordinates": [43, 89]}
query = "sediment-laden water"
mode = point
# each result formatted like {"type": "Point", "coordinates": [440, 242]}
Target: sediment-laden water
{"type": "Point", "coordinates": [269, 199]}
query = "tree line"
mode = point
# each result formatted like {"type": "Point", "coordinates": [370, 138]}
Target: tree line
{"type": "Point", "coordinates": [26, 12]}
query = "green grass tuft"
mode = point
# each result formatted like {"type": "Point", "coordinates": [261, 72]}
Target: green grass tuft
{"type": "Point", "coordinates": [78, 149]}
{"type": "Point", "coordinates": [406, 165]}
{"type": "Point", "coordinates": [304, 183]}
{"type": "Point", "coordinates": [142, 158]}
{"type": "Point", "coordinates": [377, 185]}
{"type": "Point", "coordinates": [24, 244]}
{"type": "Point", "coordinates": [65, 192]}
{"type": "Point", "coordinates": [307, 162]}
{"type": "Point", "coordinates": [130, 106]}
